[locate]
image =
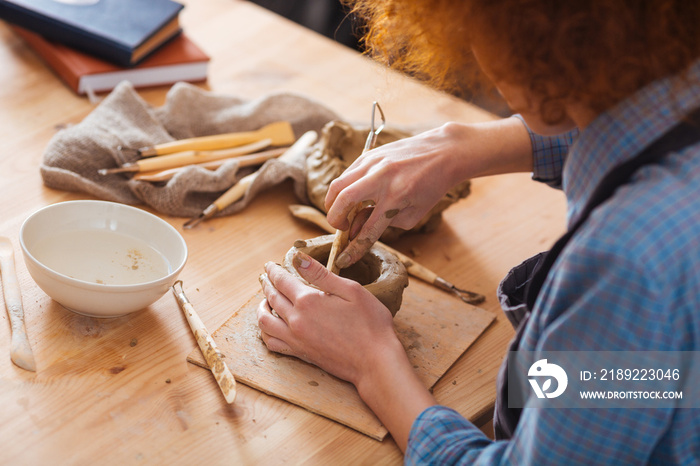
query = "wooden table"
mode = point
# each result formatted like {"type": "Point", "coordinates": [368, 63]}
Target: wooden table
{"type": "Point", "coordinates": [119, 391]}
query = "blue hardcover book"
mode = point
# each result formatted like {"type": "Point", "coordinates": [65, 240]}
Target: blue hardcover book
{"type": "Point", "coordinates": [121, 31]}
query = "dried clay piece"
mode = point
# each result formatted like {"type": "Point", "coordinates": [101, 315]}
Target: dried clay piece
{"type": "Point", "coordinates": [379, 271]}
{"type": "Point", "coordinates": [339, 146]}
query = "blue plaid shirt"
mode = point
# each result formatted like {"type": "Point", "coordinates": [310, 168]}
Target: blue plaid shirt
{"type": "Point", "coordinates": [628, 280]}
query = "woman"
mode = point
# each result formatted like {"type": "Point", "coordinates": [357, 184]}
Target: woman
{"type": "Point", "coordinates": [597, 85]}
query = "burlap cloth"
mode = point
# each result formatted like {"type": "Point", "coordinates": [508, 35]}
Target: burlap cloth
{"type": "Point", "coordinates": [75, 154]}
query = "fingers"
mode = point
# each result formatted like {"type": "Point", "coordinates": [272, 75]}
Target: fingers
{"type": "Point", "coordinates": [351, 174]}
{"type": "Point", "coordinates": [343, 193]}
{"type": "Point", "coordinates": [276, 300]}
{"type": "Point", "coordinates": [340, 210]}
{"type": "Point", "coordinates": [285, 290]}
{"type": "Point", "coordinates": [289, 299]}
{"type": "Point", "coordinates": [359, 221]}
{"type": "Point", "coordinates": [271, 325]}
{"type": "Point", "coordinates": [369, 234]}
{"type": "Point", "coordinates": [317, 275]}
{"type": "Point", "coordinates": [336, 186]}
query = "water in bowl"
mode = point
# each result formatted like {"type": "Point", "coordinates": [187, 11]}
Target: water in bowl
{"type": "Point", "coordinates": [101, 256]}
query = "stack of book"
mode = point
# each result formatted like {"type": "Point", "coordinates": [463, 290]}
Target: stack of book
{"type": "Point", "coordinates": [93, 45]}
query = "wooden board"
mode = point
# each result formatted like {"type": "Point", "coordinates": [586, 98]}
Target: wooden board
{"type": "Point", "coordinates": [434, 327]}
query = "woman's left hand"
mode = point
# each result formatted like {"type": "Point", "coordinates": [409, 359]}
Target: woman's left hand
{"type": "Point", "coordinates": [339, 326]}
{"type": "Point", "coordinates": [335, 324]}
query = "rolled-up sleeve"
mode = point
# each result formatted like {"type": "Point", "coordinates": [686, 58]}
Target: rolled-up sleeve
{"type": "Point", "coordinates": [549, 153]}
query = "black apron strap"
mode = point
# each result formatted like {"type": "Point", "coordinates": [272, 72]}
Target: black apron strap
{"type": "Point", "coordinates": [518, 310]}
{"type": "Point", "coordinates": [511, 290]}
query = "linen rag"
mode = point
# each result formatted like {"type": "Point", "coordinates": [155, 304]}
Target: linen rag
{"type": "Point", "coordinates": [75, 154]}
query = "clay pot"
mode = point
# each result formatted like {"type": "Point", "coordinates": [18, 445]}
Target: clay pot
{"type": "Point", "coordinates": [379, 271]}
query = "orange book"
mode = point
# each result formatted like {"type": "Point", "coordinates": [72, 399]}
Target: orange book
{"type": "Point", "coordinates": [178, 60]}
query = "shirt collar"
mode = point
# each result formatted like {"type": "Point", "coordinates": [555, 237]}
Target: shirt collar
{"type": "Point", "coordinates": [623, 131]}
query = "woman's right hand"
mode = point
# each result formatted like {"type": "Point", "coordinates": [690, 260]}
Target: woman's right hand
{"type": "Point", "coordinates": [406, 178]}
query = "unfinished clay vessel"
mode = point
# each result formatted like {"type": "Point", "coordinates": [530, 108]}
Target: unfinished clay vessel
{"type": "Point", "coordinates": [339, 146]}
{"type": "Point", "coordinates": [379, 271]}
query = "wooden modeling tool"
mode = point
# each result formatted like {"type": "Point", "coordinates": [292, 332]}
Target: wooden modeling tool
{"type": "Point", "coordinates": [280, 132]}
{"type": "Point", "coordinates": [342, 237]}
{"type": "Point", "coordinates": [211, 353]}
{"type": "Point", "coordinates": [414, 269]}
{"type": "Point", "coordinates": [257, 158]}
{"type": "Point", "coordinates": [181, 159]}
{"type": "Point", "coordinates": [20, 350]}
{"type": "Point", "coordinates": [238, 190]}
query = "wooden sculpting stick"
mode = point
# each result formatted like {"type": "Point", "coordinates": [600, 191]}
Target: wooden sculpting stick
{"type": "Point", "coordinates": [342, 237]}
{"type": "Point", "coordinates": [181, 159]}
{"type": "Point", "coordinates": [20, 351]}
{"type": "Point", "coordinates": [280, 132]}
{"type": "Point", "coordinates": [238, 190]}
{"type": "Point", "coordinates": [243, 161]}
{"type": "Point", "coordinates": [316, 217]}
{"type": "Point", "coordinates": [206, 343]}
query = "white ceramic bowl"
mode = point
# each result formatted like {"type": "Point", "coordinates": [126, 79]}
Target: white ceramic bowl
{"type": "Point", "coordinates": [101, 259]}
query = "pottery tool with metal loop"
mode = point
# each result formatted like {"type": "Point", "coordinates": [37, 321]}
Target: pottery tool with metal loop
{"type": "Point", "coordinates": [212, 355]}
{"type": "Point", "coordinates": [342, 237]}
{"type": "Point", "coordinates": [374, 130]}
{"type": "Point", "coordinates": [20, 351]}
{"type": "Point", "coordinates": [280, 132]}
{"type": "Point", "coordinates": [238, 190]}
{"type": "Point", "coordinates": [414, 269]}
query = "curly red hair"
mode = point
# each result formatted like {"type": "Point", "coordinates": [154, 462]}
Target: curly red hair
{"type": "Point", "coordinates": [596, 52]}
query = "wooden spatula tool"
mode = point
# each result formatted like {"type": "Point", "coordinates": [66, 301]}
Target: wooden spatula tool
{"type": "Point", "coordinates": [20, 351]}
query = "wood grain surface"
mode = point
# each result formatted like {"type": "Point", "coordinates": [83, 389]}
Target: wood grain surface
{"type": "Point", "coordinates": [434, 327]}
{"type": "Point", "coordinates": [120, 391]}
